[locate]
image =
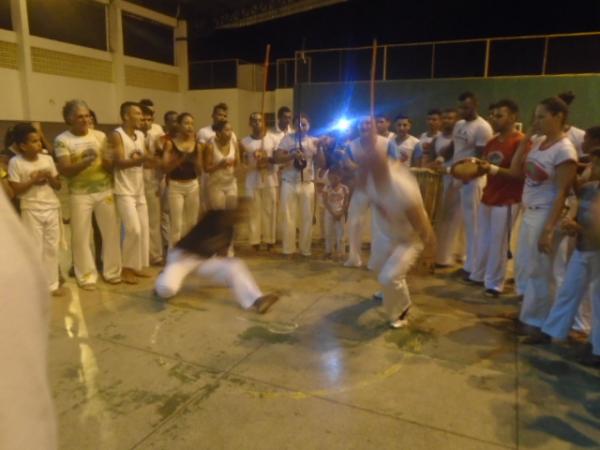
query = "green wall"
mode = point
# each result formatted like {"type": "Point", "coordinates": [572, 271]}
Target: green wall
{"type": "Point", "coordinates": [324, 102]}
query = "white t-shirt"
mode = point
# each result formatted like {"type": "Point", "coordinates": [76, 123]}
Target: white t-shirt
{"type": "Point", "coordinates": [223, 178]}
{"type": "Point", "coordinates": [278, 134]}
{"type": "Point", "coordinates": [94, 178]}
{"type": "Point", "coordinates": [130, 181]}
{"type": "Point", "coordinates": [391, 205]}
{"type": "Point", "coordinates": [576, 135]}
{"type": "Point", "coordinates": [540, 171]}
{"type": "Point", "coordinates": [442, 143]}
{"type": "Point", "coordinates": [406, 149]}
{"type": "Point", "coordinates": [469, 135]}
{"type": "Point", "coordinates": [259, 178]}
{"type": "Point", "coordinates": [309, 149]}
{"type": "Point", "coordinates": [206, 134]}
{"type": "Point", "coordinates": [40, 197]}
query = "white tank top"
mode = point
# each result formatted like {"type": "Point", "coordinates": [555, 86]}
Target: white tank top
{"type": "Point", "coordinates": [130, 181]}
{"type": "Point", "coordinates": [224, 177]}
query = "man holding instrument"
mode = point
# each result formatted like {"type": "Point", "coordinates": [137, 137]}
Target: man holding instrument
{"type": "Point", "coordinates": [470, 136]}
{"type": "Point", "coordinates": [500, 201]}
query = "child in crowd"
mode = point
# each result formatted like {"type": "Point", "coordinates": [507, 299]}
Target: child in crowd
{"type": "Point", "coordinates": [336, 198]}
{"type": "Point", "coordinates": [33, 178]}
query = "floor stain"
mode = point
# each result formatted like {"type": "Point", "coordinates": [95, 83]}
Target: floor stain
{"type": "Point", "coordinates": [171, 405]}
{"type": "Point", "coordinates": [263, 334]}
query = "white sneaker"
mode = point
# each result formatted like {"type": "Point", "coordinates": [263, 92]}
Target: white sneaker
{"type": "Point", "coordinates": [353, 263]}
{"type": "Point", "coordinates": [398, 323]}
{"type": "Point", "coordinates": [378, 296]}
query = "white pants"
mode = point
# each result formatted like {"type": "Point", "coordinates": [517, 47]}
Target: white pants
{"type": "Point", "coordinates": [470, 199]}
{"type": "Point", "coordinates": [564, 250]}
{"type": "Point", "coordinates": [537, 298]}
{"type": "Point", "coordinates": [263, 215]}
{"type": "Point", "coordinates": [357, 209]}
{"type": "Point", "coordinates": [184, 208]}
{"type": "Point", "coordinates": [297, 202]}
{"type": "Point", "coordinates": [222, 197]}
{"type": "Point", "coordinates": [450, 222]}
{"type": "Point", "coordinates": [491, 258]}
{"type": "Point", "coordinates": [334, 234]}
{"type": "Point", "coordinates": [582, 271]}
{"type": "Point", "coordinates": [44, 229]}
{"type": "Point", "coordinates": [230, 272]}
{"type": "Point", "coordinates": [102, 205]}
{"type": "Point", "coordinates": [134, 215]}
{"type": "Point", "coordinates": [393, 265]}
{"type": "Point", "coordinates": [152, 190]}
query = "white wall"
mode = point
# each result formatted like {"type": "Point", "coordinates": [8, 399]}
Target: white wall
{"type": "Point", "coordinates": [10, 93]}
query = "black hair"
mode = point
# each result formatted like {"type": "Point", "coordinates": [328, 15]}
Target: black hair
{"type": "Point", "coordinates": [555, 106]}
{"type": "Point", "coordinates": [467, 95]}
{"type": "Point", "coordinates": [567, 97]}
{"type": "Point", "coordinates": [167, 114]}
{"type": "Point", "coordinates": [182, 116]}
{"type": "Point", "coordinates": [593, 133]}
{"type": "Point", "coordinates": [9, 138]}
{"type": "Point", "coordinates": [283, 110]}
{"type": "Point", "coordinates": [146, 102]}
{"type": "Point", "coordinates": [21, 131]}
{"type": "Point", "coordinates": [508, 104]}
{"type": "Point", "coordinates": [146, 111]}
{"type": "Point", "coordinates": [434, 112]}
{"type": "Point", "coordinates": [222, 106]}
{"type": "Point", "coordinates": [492, 106]}
{"type": "Point", "coordinates": [125, 107]}
{"type": "Point", "coordinates": [402, 117]}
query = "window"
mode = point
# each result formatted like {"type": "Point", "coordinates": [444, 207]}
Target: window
{"type": "Point", "coordinates": [146, 39]}
{"type": "Point", "coordinates": [77, 22]}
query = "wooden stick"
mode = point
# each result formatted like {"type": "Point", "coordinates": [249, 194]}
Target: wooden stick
{"type": "Point", "coordinates": [265, 86]}
{"type": "Point", "coordinates": [373, 71]}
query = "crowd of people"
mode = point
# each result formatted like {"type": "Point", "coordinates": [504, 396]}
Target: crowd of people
{"type": "Point", "coordinates": [136, 194]}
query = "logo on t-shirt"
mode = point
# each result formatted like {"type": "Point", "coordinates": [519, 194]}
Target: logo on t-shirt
{"type": "Point", "coordinates": [535, 173]}
{"type": "Point", "coordinates": [495, 157]}
{"type": "Point", "coordinates": [402, 156]}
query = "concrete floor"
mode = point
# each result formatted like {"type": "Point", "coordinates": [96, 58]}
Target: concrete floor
{"type": "Point", "coordinates": [320, 371]}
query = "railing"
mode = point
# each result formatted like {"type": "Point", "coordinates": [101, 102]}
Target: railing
{"type": "Point", "coordinates": [558, 54]}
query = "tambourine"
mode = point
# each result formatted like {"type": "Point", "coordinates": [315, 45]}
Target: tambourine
{"type": "Point", "coordinates": [467, 169]}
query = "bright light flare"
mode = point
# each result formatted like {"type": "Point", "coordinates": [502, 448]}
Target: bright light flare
{"type": "Point", "coordinates": [342, 124]}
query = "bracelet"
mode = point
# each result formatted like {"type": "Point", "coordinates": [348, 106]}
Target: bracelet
{"type": "Point", "coordinates": [494, 169]}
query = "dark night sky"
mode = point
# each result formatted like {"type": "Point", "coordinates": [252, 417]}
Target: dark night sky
{"type": "Point", "coordinates": [357, 22]}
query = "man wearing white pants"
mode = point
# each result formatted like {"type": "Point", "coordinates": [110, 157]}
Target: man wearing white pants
{"type": "Point", "coordinates": [469, 138]}
{"type": "Point", "coordinates": [400, 217]}
{"type": "Point", "coordinates": [84, 160]}
{"type": "Point", "coordinates": [359, 201]}
{"type": "Point", "coordinates": [297, 153]}
{"type": "Point", "coordinates": [500, 202]}
{"type": "Point", "coordinates": [201, 253]}
{"type": "Point", "coordinates": [130, 154]}
{"type": "Point", "coordinates": [261, 183]}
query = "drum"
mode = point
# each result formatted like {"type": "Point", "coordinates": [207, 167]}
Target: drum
{"type": "Point", "coordinates": [466, 169]}
{"type": "Point", "coordinates": [432, 190]}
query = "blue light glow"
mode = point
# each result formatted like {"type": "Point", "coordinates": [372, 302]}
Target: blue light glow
{"type": "Point", "coordinates": [342, 124]}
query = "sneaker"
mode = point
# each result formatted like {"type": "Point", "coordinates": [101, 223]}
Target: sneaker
{"type": "Point", "coordinates": [492, 293]}
{"type": "Point", "coordinates": [539, 338]}
{"type": "Point", "coordinates": [442, 266]}
{"type": "Point", "coordinates": [378, 296]}
{"type": "Point", "coordinates": [590, 360]}
{"type": "Point", "coordinates": [88, 286]}
{"type": "Point", "coordinates": [353, 263]}
{"type": "Point", "coordinates": [116, 280]}
{"type": "Point", "coordinates": [401, 321]}
{"type": "Point", "coordinates": [469, 282]}
{"type": "Point", "coordinates": [264, 303]}
{"type": "Point", "coordinates": [462, 273]}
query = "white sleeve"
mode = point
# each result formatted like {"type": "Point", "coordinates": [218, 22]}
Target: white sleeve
{"type": "Point", "coordinates": [14, 174]}
{"type": "Point", "coordinates": [287, 143]}
{"type": "Point", "coordinates": [484, 134]}
{"type": "Point", "coordinates": [565, 153]}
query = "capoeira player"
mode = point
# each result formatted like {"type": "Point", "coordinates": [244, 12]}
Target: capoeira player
{"type": "Point", "coordinates": [359, 202]}
{"type": "Point", "coordinates": [403, 227]}
{"type": "Point", "coordinates": [203, 252]}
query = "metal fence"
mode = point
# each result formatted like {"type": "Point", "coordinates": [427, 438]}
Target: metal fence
{"type": "Point", "coordinates": [519, 56]}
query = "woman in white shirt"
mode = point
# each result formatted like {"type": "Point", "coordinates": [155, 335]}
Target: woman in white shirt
{"type": "Point", "coordinates": [221, 157]}
{"type": "Point", "coordinates": [550, 171]}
